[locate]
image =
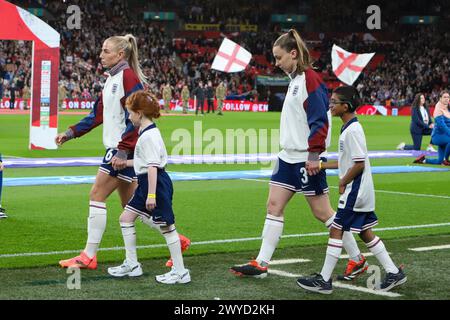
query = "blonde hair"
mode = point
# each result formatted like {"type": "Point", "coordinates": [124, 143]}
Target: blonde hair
{"type": "Point", "coordinates": [128, 44]}
{"type": "Point", "coordinates": [292, 41]}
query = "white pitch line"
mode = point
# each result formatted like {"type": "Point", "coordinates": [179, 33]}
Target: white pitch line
{"type": "Point", "coordinates": [445, 246]}
{"type": "Point", "coordinates": [315, 234]}
{"type": "Point", "coordinates": [380, 191]}
{"type": "Point", "coordinates": [339, 284]}
{"type": "Point", "coordinates": [408, 194]}
{"type": "Point", "coordinates": [257, 180]}
{"type": "Point", "coordinates": [288, 261]}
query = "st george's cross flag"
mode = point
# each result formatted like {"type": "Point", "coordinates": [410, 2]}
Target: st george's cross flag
{"type": "Point", "coordinates": [347, 66]}
{"type": "Point", "coordinates": [231, 57]}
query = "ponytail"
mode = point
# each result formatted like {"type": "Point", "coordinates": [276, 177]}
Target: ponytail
{"type": "Point", "coordinates": [128, 44]}
{"type": "Point", "coordinates": [292, 41]}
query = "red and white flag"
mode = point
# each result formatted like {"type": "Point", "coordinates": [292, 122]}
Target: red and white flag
{"type": "Point", "coordinates": [347, 66]}
{"type": "Point", "coordinates": [231, 57]}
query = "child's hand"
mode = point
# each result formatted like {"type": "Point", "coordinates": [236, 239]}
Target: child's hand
{"type": "Point", "coordinates": [150, 204]}
{"type": "Point", "coordinates": [61, 138]}
{"type": "Point", "coordinates": [118, 164]}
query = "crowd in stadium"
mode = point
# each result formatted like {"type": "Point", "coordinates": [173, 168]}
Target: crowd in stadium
{"type": "Point", "coordinates": [416, 60]}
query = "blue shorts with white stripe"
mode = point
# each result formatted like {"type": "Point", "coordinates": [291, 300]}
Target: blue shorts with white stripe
{"type": "Point", "coordinates": [163, 212]}
{"type": "Point", "coordinates": [294, 177]}
{"type": "Point", "coordinates": [349, 220]}
{"type": "Point", "coordinates": [126, 174]}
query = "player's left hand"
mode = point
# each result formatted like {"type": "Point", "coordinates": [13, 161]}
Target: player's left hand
{"type": "Point", "coordinates": [118, 164]}
{"type": "Point", "coordinates": [312, 167]}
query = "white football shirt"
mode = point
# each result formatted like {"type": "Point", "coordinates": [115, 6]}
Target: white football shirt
{"type": "Point", "coordinates": [294, 127]}
{"type": "Point", "coordinates": [359, 194]}
{"type": "Point", "coordinates": [150, 150]}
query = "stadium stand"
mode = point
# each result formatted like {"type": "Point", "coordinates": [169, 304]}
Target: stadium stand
{"type": "Point", "coordinates": [409, 59]}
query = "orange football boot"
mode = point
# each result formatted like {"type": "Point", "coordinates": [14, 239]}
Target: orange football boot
{"type": "Point", "coordinates": [82, 261]}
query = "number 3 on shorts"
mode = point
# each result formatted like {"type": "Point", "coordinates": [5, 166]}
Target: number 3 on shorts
{"type": "Point", "coordinates": [304, 174]}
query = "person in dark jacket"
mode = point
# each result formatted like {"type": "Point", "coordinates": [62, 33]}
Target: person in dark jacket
{"type": "Point", "coordinates": [421, 124]}
{"type": "Point", "coordinates": [12, 102]}
{"type": "Point", "coordinates": [199, 93]}
{"type": "Point", "coordinates": [210, 96]}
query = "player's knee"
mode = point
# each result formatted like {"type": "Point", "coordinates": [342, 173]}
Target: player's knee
{"type": "Point", "coordinates": [275, 207]}
{"type": "Point", "coordinates": [336, 233]}
{"type": "Point", "coordinates": [366, 235]}
{"type": "Point", "coordinates": [322, 213]}
{"type": "Point", "coordinates": [95, 194]}
{"type": "Point", "coordinates": [127, 217]}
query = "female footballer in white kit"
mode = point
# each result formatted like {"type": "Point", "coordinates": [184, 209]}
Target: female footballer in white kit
{"type": "Point", "coordinates": [357, 201]}
{"type": "Point", "coordinates": [305, 131]}
{"type": "Point", "coordinates": [152, 200]}
{"type": "Point", "coordinates": [120, 55]}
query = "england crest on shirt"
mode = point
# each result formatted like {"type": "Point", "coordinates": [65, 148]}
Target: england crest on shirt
{"type": "Point", "coordinates": [341, 146]}
{"type": "Point", "coordinates": [114, 88]}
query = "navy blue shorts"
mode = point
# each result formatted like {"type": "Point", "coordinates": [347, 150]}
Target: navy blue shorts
{"type": "Point", "coordinates": [294, 177]}
{"type": "Point", "coordinates": [163, 213]}
{"type": "Point", "coordinates": [349, 220]}
{"type": "Point", "coordinates": [126, 174]}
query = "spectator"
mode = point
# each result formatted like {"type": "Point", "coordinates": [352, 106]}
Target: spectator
{"type": "Point", "coordinates": [441, 132]}
{"type": "Point", "coordinates": [421, 124]}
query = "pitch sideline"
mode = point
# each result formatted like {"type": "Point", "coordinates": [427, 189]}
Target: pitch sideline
{"type": "Point", "coordinates": [315, 234]}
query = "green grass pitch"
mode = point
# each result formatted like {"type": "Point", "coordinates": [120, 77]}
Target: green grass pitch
{"type": "Point", "coordinates": [224, 219]}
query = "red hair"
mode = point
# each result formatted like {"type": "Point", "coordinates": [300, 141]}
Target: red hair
{"type": "Point", "coordinates": [145, 102]}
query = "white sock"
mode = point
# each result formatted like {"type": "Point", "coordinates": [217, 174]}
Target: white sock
{"type": "Point", "coordinates": [348, 240]}
{"type": "Point", "coordinates": [350, 245]}
{"type": "Point", "coordinates": [129, 239]}
{"type": "Point", "coordinates": [174, 244]}
{"type": "Point", "coordinates": [376, 246]}
{"type": "Point", "coordinates": [96, 227]}
{"type": "Point", "coordinates": [334, 250]}
{"type": "Point", "coordinates": [273, 229]}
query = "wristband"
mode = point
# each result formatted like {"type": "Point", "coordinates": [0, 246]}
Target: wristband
{"type": "Point", "coordinates": [121, 154]}
{"type": "Point", "coordinates": [320, 165]}
{"type": "Point", "coordinates": [151, 196]}
{"type": "Point", "coordinates": [69, 134]}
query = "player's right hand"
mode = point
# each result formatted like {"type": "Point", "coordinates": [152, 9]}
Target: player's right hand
{"type": "Point", "coordinates": [60, 138]}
